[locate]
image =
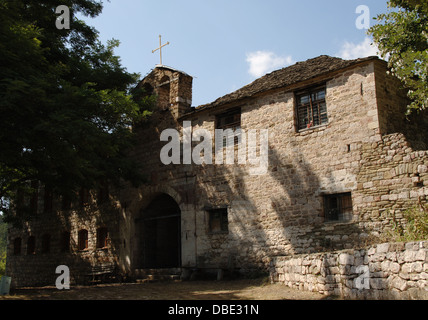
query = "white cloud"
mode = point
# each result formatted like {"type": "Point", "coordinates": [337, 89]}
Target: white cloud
{"type": "Point", "coordinates": [262, 62]}
{"type": "Point", "coordinates": [360, 50]}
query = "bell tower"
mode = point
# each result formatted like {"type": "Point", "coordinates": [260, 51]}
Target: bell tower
{"type": "Point", "coordinates": [173, 89]}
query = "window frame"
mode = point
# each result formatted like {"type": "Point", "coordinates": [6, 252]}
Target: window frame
{"type": "Point", "coordinates": [311, 108]}
{"type": "Point", "coordinates": [102, 238]}
{"type": "Point", "coordinates": [83, 240]}
{"type": "Point", "coordinates": [223, 220]}
{"type": "Point", "coordinates": [235, 124]}
{"type": "Point", "coordinates": [344, 208]}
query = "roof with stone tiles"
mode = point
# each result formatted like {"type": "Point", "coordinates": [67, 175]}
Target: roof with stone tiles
{"type": "Point", "coordinates": [299, 72]}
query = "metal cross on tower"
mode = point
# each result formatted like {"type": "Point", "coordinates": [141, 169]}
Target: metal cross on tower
{"type": "Point", "coordinates": [160, 48]}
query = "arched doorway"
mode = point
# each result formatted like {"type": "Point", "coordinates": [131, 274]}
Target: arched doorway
{"type": "Point", "coordinates": [160, 234]}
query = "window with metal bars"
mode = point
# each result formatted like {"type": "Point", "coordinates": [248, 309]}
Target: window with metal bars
{"type": "Point", "coordinates": [230, 120]}
{"type": "Point", "coordinates": [338, 207]}
{"type": "Point", "coordinates": [311, 108]}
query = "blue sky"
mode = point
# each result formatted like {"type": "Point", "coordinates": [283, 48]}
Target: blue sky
{"type": "Point", "coordinates": [226, 44]}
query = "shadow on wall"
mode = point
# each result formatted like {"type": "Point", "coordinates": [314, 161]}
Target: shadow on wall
{"type": "Point", "coordinates": [273, 215]}
{"type": "Point", "coordinates": [38, 267]}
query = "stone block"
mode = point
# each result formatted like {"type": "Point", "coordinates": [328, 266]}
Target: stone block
{"type": "Point", "coordinates": [421, 255]}
{"type": "Point", "coordinates": [399, 284]}
{"type": "Point", "coordinates": [382, 248]}
{"type": "Point", "coordinates": [346, 259]}
{"type": "Point", "coordinates": [394, 267]}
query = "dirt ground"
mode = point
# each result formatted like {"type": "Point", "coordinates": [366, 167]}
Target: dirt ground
{"type": "Point", "coordinates": [254, 289]}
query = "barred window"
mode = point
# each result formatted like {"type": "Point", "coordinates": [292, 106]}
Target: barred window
{"type": "Point", "coordinates": [311, 108]}
{"type": "Point", "coordinates": [230, 120]}
{"type": "Point", "coordinates": [338, 207]}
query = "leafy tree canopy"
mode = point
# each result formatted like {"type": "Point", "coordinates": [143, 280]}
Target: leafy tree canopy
{"type": "Point", "coordinates": [66, 102]}
{"type": "Point", "coordinates": [402, 35]}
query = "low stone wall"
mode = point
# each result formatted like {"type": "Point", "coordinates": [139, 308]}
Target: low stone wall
{"type": "Point", "coordinates": [383, 271]}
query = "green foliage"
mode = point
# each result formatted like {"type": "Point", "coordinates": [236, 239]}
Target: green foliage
{"type": "Point", "coordinates": [3, 246]}
{"type": "Point", "coordinates": [402, 36]}
{"type": "Point", "coordinates": [413, 228]}
{"type": "Point", "coordinates": [66, 103]}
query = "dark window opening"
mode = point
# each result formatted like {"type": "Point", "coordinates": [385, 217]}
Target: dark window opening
{"type": "Point", "coordinates": [103, 193]}
{"type": "Point", "coordinates": [338, 207]}
{"type": "Point", "coordinates": [66, 202]}
{"type": "Point", "coordinates": [230, 120]}
{"type": "Point", "coordinates": [83, 240]}
{"type": "Point", "coordinates": [218, 221]}
{"type": "Point", "coordinates": [34, 200]}
{"type": "Point", "coordinates": [102, 238]}
{"type": "Point", "coordinates": [84, 197]}
{"type": "Point", "coordinates": [311, 108]}
{"type": "Point", "coordinates": [48, 200]}
{"type": "Point", "coordinates": [65, 241]}
{"type": "Point", "coordinates": [46, 243]}
{"type": "Point", "coordinates": [31, 245]}
{"type": "Point", "coordinates": [164, 98]}
{"type": "Point", "coordinates": [17, 246]}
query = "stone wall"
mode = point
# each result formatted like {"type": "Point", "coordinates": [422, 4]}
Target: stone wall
{"type": "Point", "coordinates": [383, 271]}
{"type": "Point", "coordinates": [38, 267]}
{"type": "Point", "coordinates": [392, 178]}
{"type": "Point", "coordinates": [279, 213]}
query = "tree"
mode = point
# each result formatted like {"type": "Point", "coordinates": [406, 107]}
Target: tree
{"type": "Point", "coordinates": [66, 103]}
{"type": "Point", "coordinates": [403, 37]}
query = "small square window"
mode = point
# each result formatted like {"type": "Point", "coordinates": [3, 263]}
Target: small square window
{"type": "Point", "coordinates": [218, 221]}
{"type": "Point", "coordinates": [338, 207]}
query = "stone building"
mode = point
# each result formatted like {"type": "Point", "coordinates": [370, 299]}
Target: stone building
{"type": "Point", "coordinates": [342, 163]}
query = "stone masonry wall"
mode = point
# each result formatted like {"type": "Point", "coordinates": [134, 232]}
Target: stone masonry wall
{"type": "Point", "coordinates": [280, 212]}
{"type": "Point", "coordinates": [383, 271]}
{"type": "Point", "coordinates": [276, 214]}
{"type": "Point", "coordinates": [392, 177]}
{"type": "Point", "coordinates": [38, 268]}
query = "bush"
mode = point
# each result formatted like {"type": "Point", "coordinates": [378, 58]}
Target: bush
{"type": "Point", "coordinates": [3, 244]}
{"type": "Point", "coordinates": [2, 264]}
{"type": "Point", "coordinates": [413, 226]}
